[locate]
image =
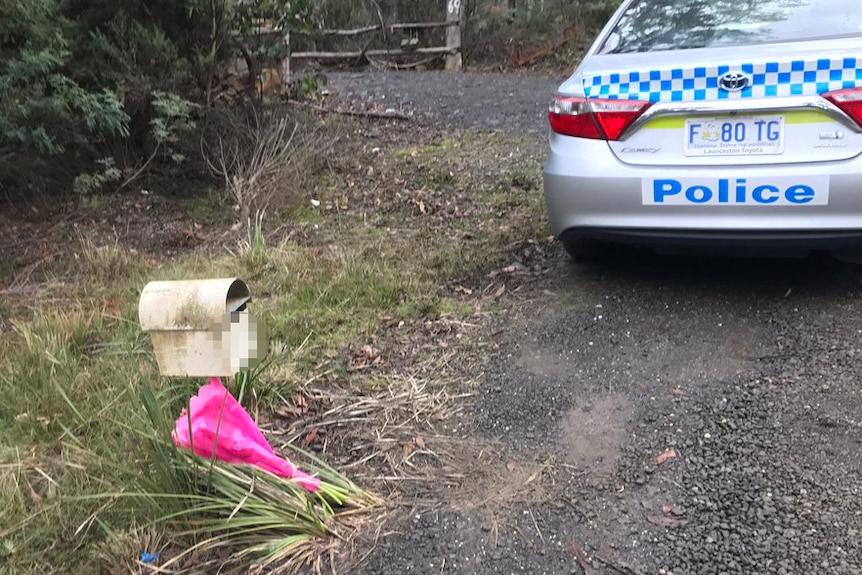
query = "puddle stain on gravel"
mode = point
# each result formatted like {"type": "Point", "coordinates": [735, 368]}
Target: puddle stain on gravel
{"type": "Point", "coordinates": [591, 436]}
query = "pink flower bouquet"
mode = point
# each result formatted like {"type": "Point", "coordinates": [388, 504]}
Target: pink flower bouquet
{"type": "Point", "coordinates": [220, 427]}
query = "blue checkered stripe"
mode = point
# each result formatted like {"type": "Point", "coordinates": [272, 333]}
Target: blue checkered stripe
{"type": "Point", "coordinates": [795, 78]}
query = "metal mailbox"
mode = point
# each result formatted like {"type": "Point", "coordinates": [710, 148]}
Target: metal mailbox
{"type": "Point", "coordinates": [202, 328]}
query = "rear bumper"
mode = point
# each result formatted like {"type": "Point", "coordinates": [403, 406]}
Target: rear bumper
{"type": "Point", "coordinates": [733, 239]}
{"type": "Point", "coordinates": [590, 193]}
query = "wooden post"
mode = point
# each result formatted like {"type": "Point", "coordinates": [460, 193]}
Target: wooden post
{"type": "Point", "coordinates": [285, 64]}
{"type": "Point", "coordinates": [453, 36]}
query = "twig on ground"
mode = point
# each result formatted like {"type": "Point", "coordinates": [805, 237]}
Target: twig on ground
{"type": "Point", "coordinates": [527, 541]}
{"type": "Point", "coordinates": [536, 526]}
{"type": "Point", "coordinates": [581, 557]}
{"type": "Point", "coordinates": [382, 64]}
{"type": "Point", "coordinates": [20, 280]}
{"type": "Point", "coordinates": [355, 113]}
{"type": "Point", "coordinates": [373, 546]}
{"type": "Point", "coordinates": [616, 566]}
{"type": "Point", "coordinates": [495, 529]}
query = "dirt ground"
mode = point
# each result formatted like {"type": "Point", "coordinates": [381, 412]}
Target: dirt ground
{"type": "Point", "coordinates": [653, 415]}
{"type": "Point", "coordinates": [636, 416]}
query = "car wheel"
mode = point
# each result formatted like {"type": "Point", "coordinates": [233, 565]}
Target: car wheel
{"type": "Point", "coordinates": [583, 249]}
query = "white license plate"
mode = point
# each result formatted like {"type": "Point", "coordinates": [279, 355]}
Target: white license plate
{"type": "Point", "coordinates": [737, 191]}
{"type": "Point", "coordinates": [734, 136]}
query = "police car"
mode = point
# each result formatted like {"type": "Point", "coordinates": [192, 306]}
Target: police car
{"type": "Point", "coordinates": [732, 123]}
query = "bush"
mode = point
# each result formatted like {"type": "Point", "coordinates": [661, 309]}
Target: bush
{"type": "Point", "coordinates": [493, 33]}
{"type": "Point", "coordinates": [41, 107]}
{"type": "Point", "coordinates": [86, 78]}
{"type": "Point", "coordinates": [263, 154]}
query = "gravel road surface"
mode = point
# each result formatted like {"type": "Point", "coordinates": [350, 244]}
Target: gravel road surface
{"type": "Point", "coordinates": [687, 416]}
{"type": "Point", "coordinates": [515, 104]}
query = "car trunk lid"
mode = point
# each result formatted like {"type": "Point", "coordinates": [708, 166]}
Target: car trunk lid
{"type": "Point", "coordinates": [724, 106]}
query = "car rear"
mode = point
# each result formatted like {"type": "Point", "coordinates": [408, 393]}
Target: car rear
{"type": "Point", "coordinates": [734, 125]}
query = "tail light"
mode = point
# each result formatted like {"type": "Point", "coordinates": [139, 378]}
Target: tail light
{"type": "Point", "coordinates": [593, 118]}
{"type": "Point", "coordinates": [850, 102]}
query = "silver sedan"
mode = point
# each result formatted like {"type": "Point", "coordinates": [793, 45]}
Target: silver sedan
{"type": "Point", "coordinates": [728, 122]}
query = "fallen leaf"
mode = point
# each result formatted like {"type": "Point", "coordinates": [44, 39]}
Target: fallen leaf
{"type": "Point", "coordinates": [512, 466]}
{"type": "Point", "coordinates": [34, 497]}
{"type": "Point", "coordinates": [365, 357]}
{"type": "Point", "coordinates": [438, 415]}
{"type": "Point", "coordinates": [669, 453]}
{"type": "Point", "coordinates": [310, 437]}
{"type": "Point", "coordinates": [463, 290]}
{"type": "Point", "coordinates": [370, 351]}
{"type": "Point", "coordinates": [287, 411]}
{"type": "Point", "coordinates": [419, 441]}
{"type": "Point", "coordinates": [677, 391]}
{"type": "Point", "coordinates": [408, 450]}
{"type": "Point", "coordinates": [500, 291]}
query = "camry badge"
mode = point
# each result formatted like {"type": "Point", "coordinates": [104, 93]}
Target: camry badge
{"type": "Point", "coordinates": [733, 81]}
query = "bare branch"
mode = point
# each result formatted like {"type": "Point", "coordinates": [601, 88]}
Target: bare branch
{"type": "Point", "coordinates": [257, 152]}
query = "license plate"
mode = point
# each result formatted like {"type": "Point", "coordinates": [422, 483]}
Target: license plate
{"type": "Point", "coordinates": [734, 136]}
{"type": "Point", "coordinates": [737, 191]}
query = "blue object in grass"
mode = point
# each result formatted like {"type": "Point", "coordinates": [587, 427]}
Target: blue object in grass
{"type": "Point", "coordinates": [149, 557]}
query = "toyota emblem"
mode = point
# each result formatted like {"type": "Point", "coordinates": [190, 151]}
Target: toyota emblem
{"type": "Point", "coordinates": [733, 81]}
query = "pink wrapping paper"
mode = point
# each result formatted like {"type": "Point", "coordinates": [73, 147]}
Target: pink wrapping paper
{"type": "Point", "coordinates": [239, 438]}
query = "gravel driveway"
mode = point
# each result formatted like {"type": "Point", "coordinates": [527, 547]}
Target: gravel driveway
{"type": "Point", "coordinates": [516, 104]}
{"type": "Point", "coordinates": [686, 415]}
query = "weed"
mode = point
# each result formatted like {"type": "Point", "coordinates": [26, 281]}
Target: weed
{"type": "Point", "coordinates": [88, 473]}
{"type": "Point", "coordinates": [101, 432]}
{"type": "Point", "coordinates": [263, 521]}
{"type": "Point", "coordinates": [263, 155]}
{"type": "Point", "coordinates": [254, 249]}
{"type": "Point", "coordinates": [7, 269]}
{"type": "Point", "coordinates": [524, 179]}
{"type": "Point", "coordinates": [103, 264]}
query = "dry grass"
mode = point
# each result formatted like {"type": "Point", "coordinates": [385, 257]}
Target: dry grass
{"type": "Point", "coordinates": [390, 430]}
{"type": "Point", "coordinates": [374, 272]}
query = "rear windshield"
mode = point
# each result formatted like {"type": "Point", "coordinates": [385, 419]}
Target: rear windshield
{"type": "Point", "coordinates": [650, 25]}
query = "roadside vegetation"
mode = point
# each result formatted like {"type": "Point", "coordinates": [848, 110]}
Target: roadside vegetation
{"type": "Point", "coordinates": [130, 151]}
{"type": "Point", "coordinates": [95, 95]}
{"type": "Point", "coordinates": [366, 292]}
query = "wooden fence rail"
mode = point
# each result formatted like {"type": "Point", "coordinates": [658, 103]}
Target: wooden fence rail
{"type": "Point", "coordinates": [452, 49]}
{"type": "Point", "coordinates": [377, 27]}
